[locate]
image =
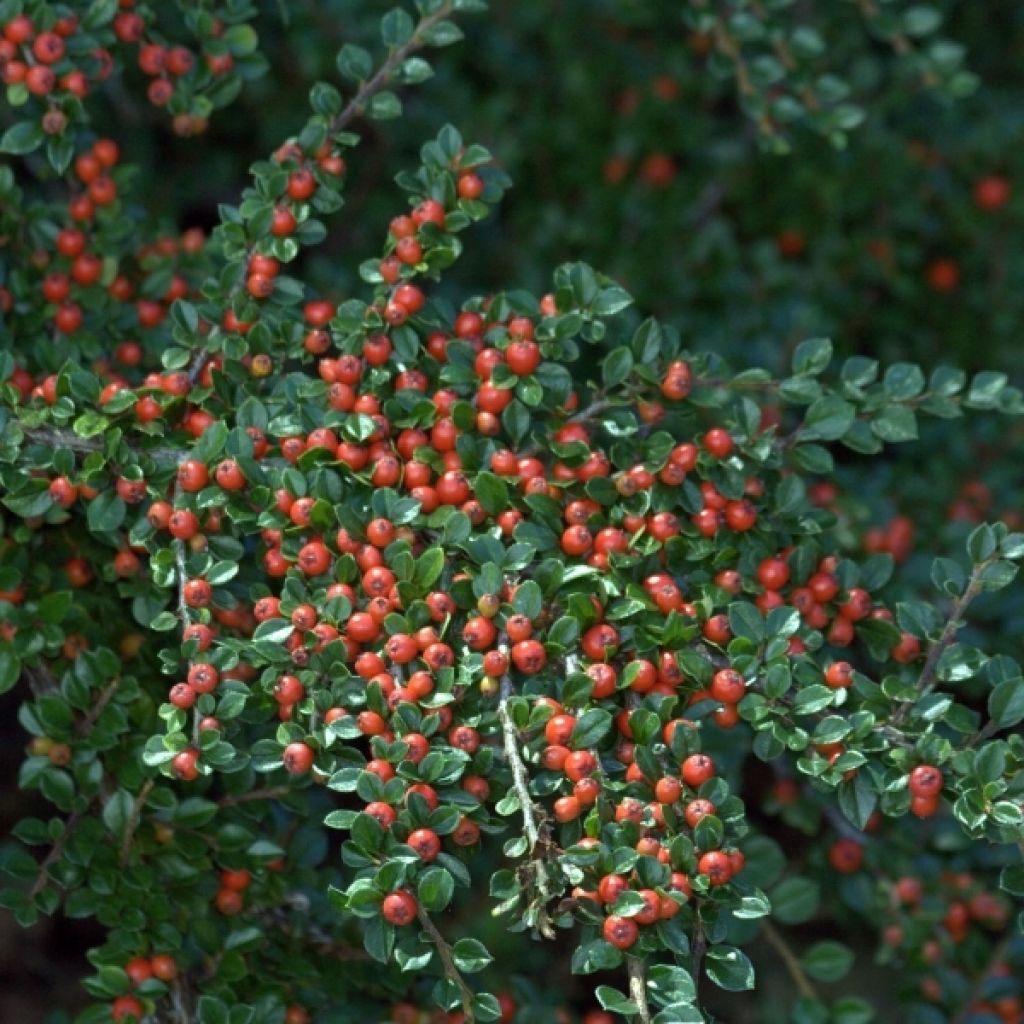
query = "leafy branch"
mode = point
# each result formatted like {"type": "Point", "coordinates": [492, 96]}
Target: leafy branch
{"type": "Point", "coordinates": [521, 785]}
{"type": "Point", "coordinates": [382, 77]}
{"type": "Point", "coordinates": [451, 972]}
{"type": "Point", "coordinates": [926, 680]}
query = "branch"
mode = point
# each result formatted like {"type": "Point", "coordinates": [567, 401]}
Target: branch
{"type": "Point", "coordinates": [521, 783]}
{"type": "Point", "coordinates": [796, 972]}
{"type": "Point", "coordinates": [54, 437]}
{"type": "Point", "coordinates": [638, 988]}
{"type": "Point", "coordinates": [926, 680]}
{"type": "Point", "coordinates": [42, 877]}
{"type": "Point", "coordinates": [592, 410]}
{"type": "Point", "coordinates": [269, 793]}
{"type": "Point", "coordinates": [451, 972]}
{"type": "Point", "coordinates": [133, 820]}
{"type": "Point", "coordinates": [697, 954]}
{"type": "Point", "coordinates": [178, 1001]}
{"type": "Point", "coordinates": [83, 727]}
{"type": "Point", "coordinates": [384, 73]}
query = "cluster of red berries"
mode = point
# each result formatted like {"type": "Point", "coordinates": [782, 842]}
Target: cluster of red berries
{"type": "Point", "coordinates": [38, 59]}
{"type": "Point", "coordinates": [161, 966]}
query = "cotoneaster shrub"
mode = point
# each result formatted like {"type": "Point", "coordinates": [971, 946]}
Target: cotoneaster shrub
{"type": "Point", "coordinates": [358, 631]}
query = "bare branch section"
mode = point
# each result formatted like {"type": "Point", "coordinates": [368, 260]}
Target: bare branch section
{"type": "Point", "coordinates": [638, 988]}
{"type": "Point", "coordinates": [796, 972]}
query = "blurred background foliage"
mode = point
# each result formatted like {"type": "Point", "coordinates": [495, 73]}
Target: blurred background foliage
{"type": "Point", "coordinates": [629, 147]}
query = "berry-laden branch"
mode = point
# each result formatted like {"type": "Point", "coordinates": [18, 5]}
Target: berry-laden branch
{"type": "Point", "coordinates": [451, 972]}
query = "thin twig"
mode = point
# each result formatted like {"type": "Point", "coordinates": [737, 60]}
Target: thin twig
{"type": "Point", "coordinates": [444, 951]}
{"type": "Point", "coordinates": [592, 410]}
{"type": "Point", "coordinates": [384, 73]}
{"type": "Point", "coordinates": [133, 820]}
{"type": "Point", "coordinates": [83, 727]}
{"type": "Point", "coordinates": [54, 854]}
{"type": "Point", "coordinates": [638, 988]}
{"type": "Point", "coordinates": [926, 680]}
{"type": "Point", "coordinates": [796, 972]}
{"type": "Point", "coordinates": [269, 793]}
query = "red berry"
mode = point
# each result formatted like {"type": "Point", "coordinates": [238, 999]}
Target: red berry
{"type": "Point", "coordinates": [399, 908]}
{"type": "Point", "coordinates": [298, 758]}
{"type": "Point", "coordinates": [925, 781]}
{"type": "Point", "coordinates": [621, 932]}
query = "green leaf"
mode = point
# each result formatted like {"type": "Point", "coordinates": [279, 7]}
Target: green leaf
{"type": "Point", "coordinates": [1005, 702]}
{"type": "Point", "coordinates": [415, 70]}
{"type": "Point", "coordinates": [444, 33]}
{"type": "Point", "coordinates": [746, 621]}
{"type": "Point", "coordinates": [903, 381]}
{"type": "Point", "coordinates": [895, 423]}
{"type": "Point", "coordinates": [591, 727]}
{"type": "Point", "coordinates": [982, 543]}
{"type": "Point", "coordinates": [354, 62]}
{"type": "Point", "coordinates": [492, 492]}
{"type": "Point", "coordinates": [617, 366]}
{"type": "Point", "coordinates": [23, 137]}
{"type": "Point", "coordinates": [529, 599]}
{"type": "Point", "coordinates": [435, 889]}
{"type": "Point", "coordinates": [671, 983]}
{"type": "Point", "coordinates": [827, 419]}
{"type": "Point", "coordinates": [429, 567]}
{"type": "Point", "coordinates": [212, 1011]}
{"type": "Point", "coordinates": [790, 496]}
{"type": "Point", "coordinates": [812, 356]}
{"type": "Point", "coordinates": [379, 939]}
{"type": "Point", "coordinates": [814, 698]}
{"type": "Point", "coordinates": [10, 669]}
{"type": "Point", "coordinates": [827, 961]}
{"type": "Point", "coordinates": [611, 300]}
{"type": "Point", "coordinates": [752, 905]}
{"type": "Point", "coordinates": [470, 955]}
{"type": "Point", "coordinates": [729, 968]}
{"type": "Point", "coordinates": [385, 106]}
{"type": "Point", "coordinates": [106, 512]}
{"type": "Point", "coordinates": [612, 1000]}
{"type": "Point", "coordinates": [396, 27]}
{"type": "Point", "coordinates": [117, 811]}
{"type": "Point", "coordinates": [857, 799]}
{"type": "Point", "coordinates": [564, 631]}
{"type": "Point", "coordinates": [985, 389]}
{"type": "Point", "coordinates": [795, 900]}
{"type": "Point", "coordinates": [960, 662]}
